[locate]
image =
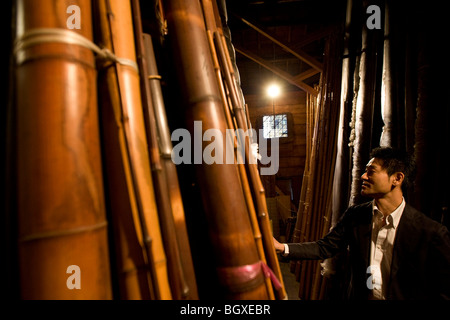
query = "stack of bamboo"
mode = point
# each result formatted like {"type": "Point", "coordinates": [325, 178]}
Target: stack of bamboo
{"type": "Point", "coordinates": [96, 189]}
{"type": "Point", "coordinates": [314, 213]}
{"type": "Point", "coordinates": [160, 266]}
{"type": "Point", "coordinates": [237, 217]}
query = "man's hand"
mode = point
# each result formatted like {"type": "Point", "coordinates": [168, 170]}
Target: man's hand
{"type": "Point", "coordinates": [279, 247]}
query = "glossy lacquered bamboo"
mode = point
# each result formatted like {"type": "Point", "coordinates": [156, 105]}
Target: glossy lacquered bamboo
{"type": "Point", "coordinates": [60, 199]}
{"type": "Point", "coordinates": [181, 271]}
{"type": "Point", "coordinates": [225, 207]}
{"type": "Point", "coordinates": [258, 209]}
{"type": "Point", "coordinates": [170, 171]}
{"type": "Point", "coordinates": [211, 26]}
{"type": "Point", "coordinates": [140, 256]}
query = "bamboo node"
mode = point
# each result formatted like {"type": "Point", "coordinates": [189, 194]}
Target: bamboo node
{"type": "Point", "coordinates": [62, 233]}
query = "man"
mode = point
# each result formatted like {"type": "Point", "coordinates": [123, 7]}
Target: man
{"type": "Point", "coordinates": [395, 252]}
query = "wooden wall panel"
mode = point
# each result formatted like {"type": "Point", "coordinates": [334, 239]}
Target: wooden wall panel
{"type": "Point", "coordinates": [292, 154]}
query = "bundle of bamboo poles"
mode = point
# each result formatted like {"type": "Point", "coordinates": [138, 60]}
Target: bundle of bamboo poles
{"type": "Point", "coordinates": [96, 185]}
{"type": "Point", "coordinates": [156, 208]}
{"type": "Point", "coordinates": [237, 217]}
{"type": "Point", "coordinates": [74, 176]}
{"type": "Point", "coordinates": [140, 257]}
{"type": "Point", "coordinates": [314, 214]}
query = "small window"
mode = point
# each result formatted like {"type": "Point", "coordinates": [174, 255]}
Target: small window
{"type": "Point", "coordinates": [275, 126]}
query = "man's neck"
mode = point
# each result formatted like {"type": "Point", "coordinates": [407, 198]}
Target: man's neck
{"type": "Point", "coordinates": [388, 203]}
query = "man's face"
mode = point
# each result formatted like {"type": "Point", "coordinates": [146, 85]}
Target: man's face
{"type": "Point", "coordinates": [376, 181]}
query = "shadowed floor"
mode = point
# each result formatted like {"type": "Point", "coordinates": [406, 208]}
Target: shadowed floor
{"type": "Point", "coordinates": [290, 284]}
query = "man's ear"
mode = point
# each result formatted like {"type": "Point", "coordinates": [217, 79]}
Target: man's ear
{"type": "Point", "coordinates": [398, 178]}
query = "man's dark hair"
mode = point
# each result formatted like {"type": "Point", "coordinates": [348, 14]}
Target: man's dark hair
{"type": "Point", "coordinates": [396, 160]}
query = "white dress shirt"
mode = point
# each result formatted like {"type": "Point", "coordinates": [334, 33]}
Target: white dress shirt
{"type": "Point", "coordinates": [382, 244]}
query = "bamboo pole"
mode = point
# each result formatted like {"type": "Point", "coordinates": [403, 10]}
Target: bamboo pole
{"type": "Point", "coordinates": [312, 190]}
{"type": "Point", "coordinates": [60, 199]}
{"type": "Point", "coordinates": [214, 28]}
{"type": "Point", "coordinates": [388, 135]}
{"type": "Point", "coordinates": [226, 212]}
{"type": "Point", "coordinates": [342, 177]}
{"type": "Point", "coordinates": [332, 75]}
{"type": "Point", "coordinates": [364, 114]}
{"type": "Point", "coordinates": [257, 188]}
{"type": "Point", "coordinates": [183, 283]}
{"type": "Point", "coordinates": [176, 200]}
{"type": "Point", "coordinates": [319, 190]}
{"type": "Point", "coordinates": [143, 274]}
{"type": "Point", "coordinates": [308, 205]}
{"type": "Point", "coordinates": [236, 103]}
{"type": "Point", "coordinates": [169, 170]}
{"type": "Point", "coordinates": [322, 173]}
{"type": "Point", "coordinates": [299, 229]}
{"type": "Point", "coordinates": [132, 270]}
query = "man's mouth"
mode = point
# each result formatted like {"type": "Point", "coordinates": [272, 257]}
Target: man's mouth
{"type": "Point", "coordinates": [365, 185]}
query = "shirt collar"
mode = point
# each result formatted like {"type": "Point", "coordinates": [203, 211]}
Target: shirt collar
{"type": "Point", "coordinates": [394, 217]}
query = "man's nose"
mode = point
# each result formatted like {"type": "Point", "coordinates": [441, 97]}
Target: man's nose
{"type": "Point", "coordinates": [364, 176]}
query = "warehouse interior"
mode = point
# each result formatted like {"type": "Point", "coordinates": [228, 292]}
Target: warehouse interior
{"type": "Point", "coordinates": [119, 117]}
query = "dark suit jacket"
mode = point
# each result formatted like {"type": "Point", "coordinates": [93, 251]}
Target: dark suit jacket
{"type": "Point", "coordinates": [420, 260]}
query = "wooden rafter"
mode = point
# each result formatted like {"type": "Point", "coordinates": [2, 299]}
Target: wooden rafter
{"type": "Point", "coordinates": [300, 54]}
{"type": "Point", "coordinates": [295, 80]}
{"type": "Point", "coordinates": [311, 37]}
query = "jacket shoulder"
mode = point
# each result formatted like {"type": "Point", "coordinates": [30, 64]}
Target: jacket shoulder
{"type": "Point", "coordinates": [420, 218]}
{"type": "Point", "coordinates": [419, 223]}
{"type": "Point", "coordinates": [359, 211]}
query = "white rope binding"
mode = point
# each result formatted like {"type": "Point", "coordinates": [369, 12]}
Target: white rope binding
{"type": "Point", "coordinates": [47, 35]}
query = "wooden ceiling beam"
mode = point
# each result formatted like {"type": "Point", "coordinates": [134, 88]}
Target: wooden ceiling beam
{"type": "Point", "coordinates": [300, 54]}
{"type": "Point", "coordinates": [311, 37]}
{"type": "Point", "coordinates": [306, 74]}
{"type": "Point", "coordinates": [279, 72]}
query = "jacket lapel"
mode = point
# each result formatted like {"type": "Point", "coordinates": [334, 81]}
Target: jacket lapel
{"type": "Point", "coordinates": [402, 239]}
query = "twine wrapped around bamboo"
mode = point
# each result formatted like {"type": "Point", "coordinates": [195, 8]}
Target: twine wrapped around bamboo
{"type": "Point", "coordinates": [140, 256]}
{"type": "Point", "coordinates": [61, 209]}
{"type": "Point", "coordinates": [225, 207]}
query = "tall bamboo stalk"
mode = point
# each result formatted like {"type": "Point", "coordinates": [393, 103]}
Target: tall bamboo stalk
{"type": "Point", "coordinates": [227, 81]}
{"type": "Point", "coordinates": [242, 122]}
{"type": "Point", "coordinates": [388, 103]}
{"type": "Point", "coordinates": [332, 74]}
{"type": "Point", "coordinates": [226, 212]}
{"type": "Point", "coordinates": [168, 168]}
{"type": "Point", "coordinates": [140, 253]}
{"type": "Point", "coordinates": [364, 114]}
{"type": "Point", "coordinates": [183, 282]}
{"type": "Point", "coordinates": [61, 209]}
{"type": "Point", "coordinates": [314, 215]}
